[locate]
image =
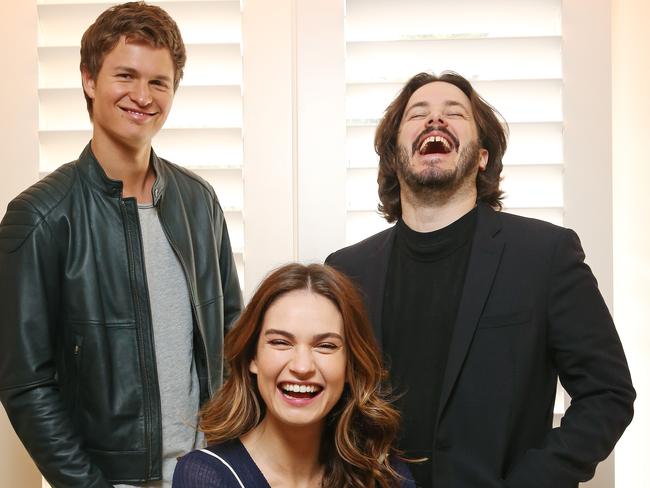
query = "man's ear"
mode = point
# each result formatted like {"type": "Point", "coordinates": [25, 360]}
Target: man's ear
{"type": "Point", "coordinates": [483, 156]}
{"type": "Point", "coordinates": [88, 83]}
{"type": "Point", "coordinates": [252, 367]}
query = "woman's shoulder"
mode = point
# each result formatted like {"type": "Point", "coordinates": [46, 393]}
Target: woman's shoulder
{"type": "Point", "coordinates": [213, 467]}
{"type": "Point", "coordinates": [226, 465]}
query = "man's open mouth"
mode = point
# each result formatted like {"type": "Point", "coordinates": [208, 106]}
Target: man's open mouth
{"type": "Point", "coordinates": [295, 390]}
{"type": "Point", "coordinates": [435, 142]}
{"type": "Point", "coordinates": [435, 145]}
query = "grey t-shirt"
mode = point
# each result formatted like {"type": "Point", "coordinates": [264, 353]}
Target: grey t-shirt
{"type": "Point", "coordinates": [172, 327]}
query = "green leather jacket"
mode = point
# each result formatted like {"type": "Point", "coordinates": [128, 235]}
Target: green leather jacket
{"type": "Point", "coordinates": [77, 363]}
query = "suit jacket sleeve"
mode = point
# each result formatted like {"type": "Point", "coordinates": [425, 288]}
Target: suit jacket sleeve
{"type": "Point", "coordinates": [592, 368]}
{"type": "Point", "coordinates": [29, 284]}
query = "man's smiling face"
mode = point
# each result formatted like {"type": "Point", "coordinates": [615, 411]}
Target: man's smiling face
{"type": "Point", "coordinates": [438, 139]}
{"type": "Point", "coordinates": [132, 94]}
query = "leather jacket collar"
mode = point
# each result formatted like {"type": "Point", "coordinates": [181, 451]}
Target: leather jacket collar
{"type": "Point", "coordinates": [93, 172]}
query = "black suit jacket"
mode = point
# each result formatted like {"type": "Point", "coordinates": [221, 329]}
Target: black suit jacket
{"type": "Point", "coordinates": [530, 310]}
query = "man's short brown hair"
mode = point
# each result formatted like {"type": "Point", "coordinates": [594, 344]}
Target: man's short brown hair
{"type": "Point", "coordinates": [492, 135]}
{"type": "Point", "coordinates": [136, 21]}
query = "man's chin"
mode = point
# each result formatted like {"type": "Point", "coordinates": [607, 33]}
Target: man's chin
{"type": "Point", "coordinates": [430, 179]}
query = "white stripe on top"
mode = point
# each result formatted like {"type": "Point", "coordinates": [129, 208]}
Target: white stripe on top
{"type": "Point", "coordinates": [226, 464]}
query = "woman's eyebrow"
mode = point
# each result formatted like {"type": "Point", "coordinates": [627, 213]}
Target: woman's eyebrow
{"type": "Point", "coordinates": [284, 333]}
{"type": "Point", "coordinates": [328, 335]}
{"type": "Point", "coordinates": [317, 337]}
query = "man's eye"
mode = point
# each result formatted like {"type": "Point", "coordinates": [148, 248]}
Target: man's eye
{"type": "Point", "coordinates": [415, 116]}
{"type": "Point", "coordinates": [456, 114]}
{"type": "Point", "coordinates": [124, 75]}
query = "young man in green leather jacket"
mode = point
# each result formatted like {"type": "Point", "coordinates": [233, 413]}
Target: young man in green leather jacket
{"type": "Point", "coordinates": [117, 279]}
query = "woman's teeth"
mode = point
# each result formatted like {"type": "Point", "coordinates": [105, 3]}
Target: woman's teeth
{"type": "Point", "coordinates": [299, 388]}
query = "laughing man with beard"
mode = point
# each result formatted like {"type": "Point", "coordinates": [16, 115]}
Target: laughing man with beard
{"type": "Point", "coordinates": [478, 311]}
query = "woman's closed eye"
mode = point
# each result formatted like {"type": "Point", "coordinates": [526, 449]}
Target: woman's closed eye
{"type": "Point", "coordinates": [279, 343]}
{"type": "Point", "coordinates": [327, 347]}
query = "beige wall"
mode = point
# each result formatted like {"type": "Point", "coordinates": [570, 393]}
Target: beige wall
{"type": "Point", "coordinates": [588, 110]}
{"type": "Point", "coordinates": [18, 86]}
{"type": "Point", "coordinates": [631, 188]}
{"type": "Point", "coordinates": [18, 169]}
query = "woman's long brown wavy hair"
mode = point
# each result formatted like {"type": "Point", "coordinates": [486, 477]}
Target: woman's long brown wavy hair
{"type": "Point", "coordinates": [492, 135]}
{"type": "Point", "coordinates": [360, 430]}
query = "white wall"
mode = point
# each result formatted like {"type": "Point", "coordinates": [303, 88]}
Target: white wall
{"type": "Point", "coordinates": [269, 153]}
{"type": "Point", "coordinates": [294, 133]}
{"type": "Point", "coordinates": [321, 128]}
{"type": "Point", "coordinates": [18, 169]}
{"type": "Point", "coordinates": [631, 181]}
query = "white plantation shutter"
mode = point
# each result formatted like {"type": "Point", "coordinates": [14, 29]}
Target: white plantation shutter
{"type": "Point", "coordinates": [511, 50]}
{"type": "Point", "coordinates": [204, 129]}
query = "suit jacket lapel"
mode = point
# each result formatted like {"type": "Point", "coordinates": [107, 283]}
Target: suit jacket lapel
{"type": "Point", "coordinates": [373, 281]}
{"type": "Point", "coordinates": [485, 255]}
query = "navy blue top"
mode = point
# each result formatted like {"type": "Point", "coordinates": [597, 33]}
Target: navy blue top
{"type": "Point", "coordinates": [229, 465]}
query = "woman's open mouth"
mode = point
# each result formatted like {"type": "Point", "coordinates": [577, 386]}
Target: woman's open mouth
{"type": "Point", "coordinates": [300, 391]}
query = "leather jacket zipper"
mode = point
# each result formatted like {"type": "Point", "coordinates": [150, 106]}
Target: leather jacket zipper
{"type": "Point", "coordinates": [140, 321]}
{"type": "Point", "coordinates": [76, 354]}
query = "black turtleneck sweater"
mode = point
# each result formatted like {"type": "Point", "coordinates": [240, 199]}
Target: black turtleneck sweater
{"type": "Point", "coordinates": [425, 278]}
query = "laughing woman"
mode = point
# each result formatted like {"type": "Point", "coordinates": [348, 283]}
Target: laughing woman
{"type": "Point", "coordinates": [303, 405]}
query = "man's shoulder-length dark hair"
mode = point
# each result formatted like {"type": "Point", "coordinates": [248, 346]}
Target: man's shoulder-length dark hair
{"type": "Point", "coordinates": [492, 135]}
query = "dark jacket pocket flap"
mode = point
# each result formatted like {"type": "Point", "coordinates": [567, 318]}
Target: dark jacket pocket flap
{"type": "Point", "coordinates": [504, 320]}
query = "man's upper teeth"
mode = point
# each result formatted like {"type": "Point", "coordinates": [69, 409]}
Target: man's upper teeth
{"type": "Point", "coordinates": [435, 139]}
{"type": "Point", "coordinates": [299, 388]}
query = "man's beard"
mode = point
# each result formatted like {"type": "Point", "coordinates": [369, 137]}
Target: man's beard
{"type": "Point", "coordinates": [434, 180]}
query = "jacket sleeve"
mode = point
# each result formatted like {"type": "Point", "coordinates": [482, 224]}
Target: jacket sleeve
{"type": "Point", "coordinates": [593, 370]}
{"type": "Point", "coordinates": [29, 391]}
{"type": "Point", "coordinates": [232, 297]}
